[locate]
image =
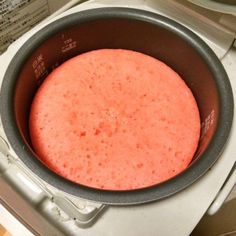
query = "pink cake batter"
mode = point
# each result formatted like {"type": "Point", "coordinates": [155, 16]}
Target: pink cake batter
{"type": "Point", "coordinates": [115, 119]}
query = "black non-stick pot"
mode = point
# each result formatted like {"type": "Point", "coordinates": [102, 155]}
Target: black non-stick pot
{"type": "Point", "coordinates": [125, 28]}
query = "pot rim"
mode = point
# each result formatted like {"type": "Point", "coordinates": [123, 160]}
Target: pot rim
{"type": "Point", "coordinates": [129, 197]}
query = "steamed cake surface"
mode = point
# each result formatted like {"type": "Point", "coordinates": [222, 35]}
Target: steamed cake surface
{"type": "Point", "coordinates": [115, 119]}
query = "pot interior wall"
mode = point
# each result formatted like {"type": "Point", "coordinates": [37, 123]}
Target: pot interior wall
{"type": "Point", "coordinates": [143, 37]}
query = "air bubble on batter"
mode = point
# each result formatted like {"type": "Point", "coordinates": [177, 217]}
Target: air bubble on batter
{"type": "Point", "coordinates": [97, 132]}
{"type": "Point", "coordinates": [71, 171]}
{"type": "Point", "coordinates": [128, 78]}
{"type": "Point", "coordinates": [89, 171]}
{"type": "Point", "coordinates": [118, 185]}
{"type": "Point", "coordinates": [177, 154]}
{"type": "Point", "coordinates": [124, 131]}
{"type": "Point", "coordinates": [163, 119]}
{"type": "Point", "coordinates": [139, 165]}
{"type": "Point", "coordinates": [64, 165]}
{"type": "Point", "coordinates": [83, 133]}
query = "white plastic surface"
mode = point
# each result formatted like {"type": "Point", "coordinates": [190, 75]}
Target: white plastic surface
{"type": "Point", "coordinates": [222, 6]}
{"type": "Point", "coordinates": [223, 194]}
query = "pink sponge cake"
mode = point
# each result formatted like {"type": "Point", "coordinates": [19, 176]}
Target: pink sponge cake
{"type": "Point", "coordinates": [115, 119]}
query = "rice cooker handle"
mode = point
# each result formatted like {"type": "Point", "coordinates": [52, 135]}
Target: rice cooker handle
{"type": "Point", "coordinates": [224, 192]}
